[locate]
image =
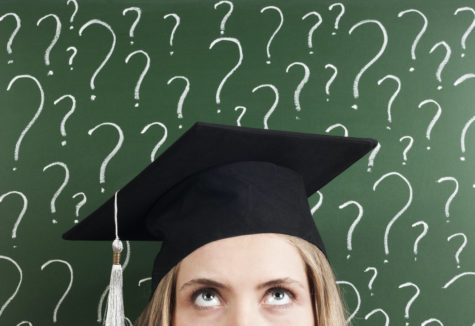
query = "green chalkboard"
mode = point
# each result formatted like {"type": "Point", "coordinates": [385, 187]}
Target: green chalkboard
{"type": "Point", "coordinates": [91, 92]}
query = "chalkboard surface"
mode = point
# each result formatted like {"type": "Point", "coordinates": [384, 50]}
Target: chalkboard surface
{"type": "Point", "coordinates": [92, 91]}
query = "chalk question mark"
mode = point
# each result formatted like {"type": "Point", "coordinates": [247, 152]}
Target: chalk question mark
{"type": "Point", "coordinates": [338, 125]}
{"type": "Point", "coordinates": [274, 105]}
{"type": "Point", "coordinates": [71, 58]}
{"type": "Point", "coordinates": [2, 309]}
{"type": "Point", "coordinates": [419, 35]}
{"type": "Point", "coordinates": [60, 189]}
{"type": "Point", "coordinates": [243, 111]}
{"type": "Point", "coordinates": [112, 153]}
{"type": "Point", "coordinates": [434, 120]}
{"type": "Point", "coordinates": [55, 312]}
{"type": "Point", "coordinates": [142, 75]}
{"type": "Point", "coordinates": [318, 204]}
{"type": "Point", "coordinates": [76, 7]}
{"type": "Point", "coordinates": [275, 31]}
{"type": "Point", "coordinates": [448, 53]}
{"type": "Point", "coordinates": [22, 212]}
{"type": "Point", "coordinates": [80, 204]}
{"type": "Point", "coordinates": [332, 78]}
{"type": "Point", "coordinates": [423, 234]}
{"type": "Point", "coordinates": [372, 156]}
{"type": "Point", "coordinates": [13, 34]}
{"type": "Point", "coordinates": [183, 95]}
{"type": "Point", "coordinates": [67, 115]}
{"type": "Point", "coordinates": [464, 133]}
{"type": "Point", "coordinates": [469, 29]}
{"type": "Point", "coordinates": [138, 11]}
{"type": "Point", "coordinates": [312, 30]}
{"type": "Point", "coordinates": [374, 311]}
{"type": "Point", "coordinates": [372, 61]}
{"type": "Point", "coordinates": [447, 204]}
{"type": "Point", "coordinates": [225, 18]}
{"type": "Point", "coordinates": [96, 72]}
{"type": "Point", "coordinates": [342, 11]}
{"type": "Point", "coordinates": [464, 243]}
{"type": "Point", "coordinates": [302, 83]}
{"type": "Point", "coordinates": [358, 297]}
{"type": "Point", "coordinates": [401, 211]}
{"type": "Point", "coordinates": [35, 117]}
{"type": "Point", "coordinates": [393, 97]}
{"type": "Point", "coordinates": [172, 34]}
{"type": "Point", "coordinates": [375, 274]}
{"type": "Point", "coordinates": [55, 38]}
{"type": "Point", "coordinates": [408, 147]}
{"type": "Point", "coordinates": [353, 225]}
{"type": "Point", "coordinates": [235, 41]}
{"type": "Point", "coordinates": [162, 140]}
{"type": "Point", "coordinates": [411, 300]}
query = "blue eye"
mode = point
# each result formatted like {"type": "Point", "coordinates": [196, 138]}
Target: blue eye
{"type": "Point", "coordinates": [208, 297]}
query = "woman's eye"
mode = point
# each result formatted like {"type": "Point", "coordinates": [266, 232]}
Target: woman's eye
{"type": "Point", "coordinates": [205, 298]}
{"type": "Point", "coordinates": [280, 296]}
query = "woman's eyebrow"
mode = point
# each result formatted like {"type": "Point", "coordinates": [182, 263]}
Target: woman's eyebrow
{"type": "Point", "coordinates": [209, 282]}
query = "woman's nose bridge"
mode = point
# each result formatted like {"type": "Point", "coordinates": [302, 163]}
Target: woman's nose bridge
{"type": "Point", "coordinates": [245, 311]}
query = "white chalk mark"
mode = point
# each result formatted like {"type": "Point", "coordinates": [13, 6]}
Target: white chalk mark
{"type": "Point", "coordinates": [275, 31]}
{"type": "Point", "coordinates": [433, 320]}
{"type": "Point", "coordinates": [469, 29]}
{"type": "Point", "coordinates": [162, 140]}
{"type": "Point", "coordinates": [449, 283]}
{"type": "Point", "coordinates": [408, 147]}
{"type": "Point", "coordinates": [463, 78]}
{"type": "Point", "coordinates": [332, 78]}
{"type": "Point", "coordinates": [55, 38]}
{"type": "Point", "coordinates": [406, 206]}
{"type": "Point", "coordinates": [342, 11]}
{"type": "Point", "coordinates": [414, 297]}
{"type": "Point", "coordinates": [425, 228]}
{"type": "Point", "coordinates": [378, 55]}
{"type": "Point", "coordinates": [375, 274]}
{"type": "Point", "coordinates": [274, 105]}
{"type": "Point", "coordinates": [177, 23]}
{"type": "Point", "coordinates": [228, 14]}
{"type": "Point", "coordinates": [73, 107]}
{"type": "Point", "coordinates": [236, 41]}
{"type": "Point", "coordinates": [464, 243]}
{"type": "Point", "coordinates": [15, 31]}
{"type": "Point", "coordinates": [314, 27]}
{"type": "Point", "coordinates": [144, 280]}
{"type": "Point", "coordinates": [142, 75]}
{"type": "Point", "coordinates": [80, 204]}
{"type": "Point", "coordinates": [338, 125]}
{"type": "Point", "coordinates": [25, 322]}
{"type": "Point", "coordinates": [71, 58]}
{"type": "Point", "coordinates": [372, 312]}
{"type": "Point", "coordinates": [304, 80]}
{"type": "Point", "coordinates": [354, 224]}
{"type": "Point", "coordinates": [107, 26]}
{"type": "Point", "coordinates": [183, 94]}
{"type": "Point", "coordinates": [358, 297]}
{"type": "Point", "coordinates": [318, 204]}
{"type": "Point", "coordinates": [372, 156]}
{"type": "Point", "coordinates": [35, 117]}
{"type": "Point", "coordinates": [464, 132]}
{"type": "Point", "coordinates": [136, 21]}
{"type": "Point", "coordinates": [18, 286]}
{"type": "Point", "coordinates": [76, 7]}
{"type": "Point", "coordinates": [114, 151]}
{"type": "Point", "coordinates": [60, 189]}
{"type": "Point", "coordinates": [55, 313]}
{"type": "Point", "coordinates": [23, 210]}
{"type": "Point", "coordinates": [434, 119]}
{"type": "Point", "coordinates": [448, 53]}
{"type": "Point", "coordinates": [421, 32]}
{"type": "Point", "coordinates": [447, 204]}
{"type": "Point", "coordinates": [243, 111]}
{"type": "Point", "coordinates": [395, 94]}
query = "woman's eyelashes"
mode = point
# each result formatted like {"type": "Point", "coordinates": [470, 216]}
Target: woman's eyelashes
{"type": "Point", "coordinates": [279, 297]}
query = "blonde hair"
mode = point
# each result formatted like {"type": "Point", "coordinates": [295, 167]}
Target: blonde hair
{"type": "Point", "coordinates": [329, 307]}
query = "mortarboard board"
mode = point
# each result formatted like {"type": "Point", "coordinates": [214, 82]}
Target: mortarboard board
{"type": "Point", "coordinates": [218, 181]}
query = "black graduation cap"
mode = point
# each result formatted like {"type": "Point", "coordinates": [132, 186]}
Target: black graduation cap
{"type": "Point", "coordinates": [218, 181]}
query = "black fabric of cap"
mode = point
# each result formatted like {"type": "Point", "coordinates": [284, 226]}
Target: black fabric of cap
{"type": "Point", "coordinates": [218, 181]}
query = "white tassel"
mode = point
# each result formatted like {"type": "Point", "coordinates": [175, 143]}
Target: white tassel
{"type": "Point", "coordinates": [115, 303]}
{"type": "Point", "coordinates": [115, 315]}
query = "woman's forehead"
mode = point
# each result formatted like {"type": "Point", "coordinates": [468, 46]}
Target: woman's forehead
{"type": "Point", "coordinates": [251, 258]}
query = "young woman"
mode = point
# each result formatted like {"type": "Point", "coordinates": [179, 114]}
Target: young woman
{"type": "Point", "coordinates": [219, 284]}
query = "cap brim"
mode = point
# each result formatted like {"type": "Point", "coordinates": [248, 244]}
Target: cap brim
{"type": "Point", "coordinates": [318, 158]}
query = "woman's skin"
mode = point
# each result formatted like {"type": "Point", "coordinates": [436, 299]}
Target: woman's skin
{"type": "Point", "coordinates": [242, 264]}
